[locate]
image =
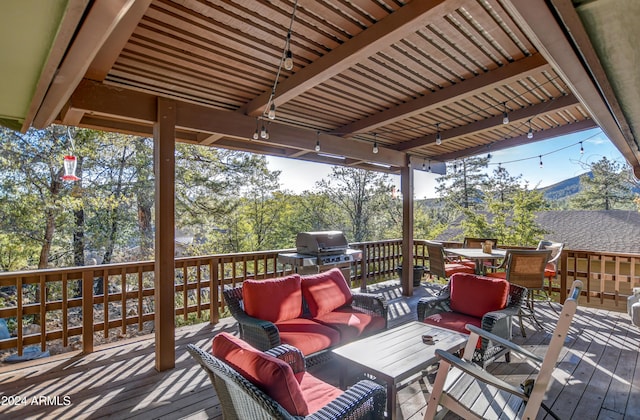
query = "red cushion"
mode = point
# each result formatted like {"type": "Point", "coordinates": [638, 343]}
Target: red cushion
{"type": "Point", "coordinates": [272, 375]}
{"type": "Point", "coordinates": [454, 321]}
{"type": "Point", "coordinates": [326, 291]}
{"type": "Point", "coordinates": [273, 300]}
{"type": "Point", "coordinates": [351, 323]}
{"type": "Point", "coordinates": [550, 270]}
{"type": "Point", "coordinates": [307, 335]}
{"type": "Point", "coordinates": [453, 268]}
{"type": "Point", "coordinates": [317, 393]}
{"type": "Point", "coordinates": [476, 295]}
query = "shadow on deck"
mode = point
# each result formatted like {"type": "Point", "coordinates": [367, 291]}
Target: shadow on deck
{"type": "Point", "coordinates": [598, 375]}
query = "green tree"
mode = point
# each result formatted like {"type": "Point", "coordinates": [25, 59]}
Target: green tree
{"type": "Point", "coordinates": [606, 187]}
{"type": "Point", "coordinates": [461, 186]}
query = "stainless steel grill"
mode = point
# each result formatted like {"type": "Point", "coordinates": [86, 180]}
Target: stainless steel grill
{"type": "Point", "coordinates": [320, 251]}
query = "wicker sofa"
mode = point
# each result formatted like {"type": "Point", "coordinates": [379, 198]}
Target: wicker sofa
{"type": "Point", "coordinates": [312, 313]}
{"type": "Point", "coordinates": [251, 384]}
{"type": "Point", "coordinates": [484, 302]}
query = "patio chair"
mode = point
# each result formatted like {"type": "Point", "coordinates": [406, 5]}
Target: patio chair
{"type": "Point", "coordinates": [243, 394]}
{"type": "Point", "coordinates": [551, 270]}
{"type": "Point", "coordinates": [487, 303]}
{"type": "Point", "coordinates": [477, 243]}
{"type": "Point", "coordinates": [440, 266]}
{"type": "Point", "coordinates": [525, 268]}
{"type": "Point", "coordinates": [473, 393]}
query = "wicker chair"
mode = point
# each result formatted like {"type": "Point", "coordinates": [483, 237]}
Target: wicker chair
{"type": "Point", "coordinates": [265, 335]}
{"type": "Point", "coordinates": [440, 266]}
{"type": "Point", "coordinates": [496, 322]}
{"type": "Point", "coordinates": [240, 399]}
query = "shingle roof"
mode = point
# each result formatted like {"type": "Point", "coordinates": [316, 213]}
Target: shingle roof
{"type": "Point", "coordinates": [593, 230]}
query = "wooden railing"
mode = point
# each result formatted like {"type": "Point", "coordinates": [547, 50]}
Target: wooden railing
{"type": "Point", "coordinates": [69, 304]}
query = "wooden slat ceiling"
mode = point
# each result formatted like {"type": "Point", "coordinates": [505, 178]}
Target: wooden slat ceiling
{"type": "Point", "coordinates": [386, 71]}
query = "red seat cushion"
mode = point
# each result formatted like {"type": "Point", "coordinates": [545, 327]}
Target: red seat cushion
{"type": "Point", "coordinates": [326, 291]}
{"type": "Point", "coordinates": [454, 321]}
{"type": "Point", "coordinates": [273, 300]}
{"type": "Point", "coordinates": [307, 335]}
{"type": "Point", "coordinates": [550, 270]}
{"type": "Point", "coordinates": [476, 295]}
{"type": "Point", "coordinates": [351, 323]}
{"type": "Point", "coordinates": [272, 375]}
{"type": "Point", "coordinates": [453, 268]}
{"type": "Point", "coordinates": [317, 393]}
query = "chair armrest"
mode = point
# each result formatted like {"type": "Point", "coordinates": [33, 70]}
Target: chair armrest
{"type": "Point", "coordinates": [503, 342]}
{"type": "Point", "coordinates": [371, 303]}
{"type": "Point", "coordinates": [479, 373]}
{"type": "Point", "coordinates": [292, 355]}
{"type": "Point", "coordinates": [260, 333]}
{"type": "Point", "coordinates": [365, 399]}
{"type": "Point", "coordinates": [432, 305]}
{"type": "Point", "coordinates": [517, 296]}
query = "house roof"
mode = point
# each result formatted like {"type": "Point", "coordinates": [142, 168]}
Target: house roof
{"type": "Point", "coordinates": [593, 230]}
{"type": "Point", "coordinates": [394, 73]}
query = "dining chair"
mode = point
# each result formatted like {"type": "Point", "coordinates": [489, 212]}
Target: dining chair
{"type": "Point", "coordinates": [471, 392]}
{"type": "Point", "coordinates": [551, 270]}
{"type": "Point", "coordinates": [525, 268]}
{"type": "Point", "coordinates": [440, 266]}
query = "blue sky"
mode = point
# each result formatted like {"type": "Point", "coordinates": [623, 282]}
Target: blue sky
{"type": "Point", "coordinates": [560, 156]}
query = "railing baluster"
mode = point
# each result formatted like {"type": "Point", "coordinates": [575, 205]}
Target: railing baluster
{"type": "Point", "coordinates": [43, 312]}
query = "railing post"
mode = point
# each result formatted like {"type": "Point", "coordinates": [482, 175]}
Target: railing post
{"type": "Point", "coordinates": [87, 311]}
{"type": "Point", "coordinates": [363, 269]}
{"type": "Point", "coordinates": [214, 285]}
{"type": "Point", "coordinates": [564, 263]}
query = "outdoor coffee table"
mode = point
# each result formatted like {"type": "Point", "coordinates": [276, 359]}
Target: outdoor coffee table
{"type": "Point", "coordinates": [397, 354]}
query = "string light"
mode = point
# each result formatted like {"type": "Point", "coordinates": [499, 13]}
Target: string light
{"type": "Point", "coordinates": [317, 141]}
{"type": "Point", "coordinates": [581, 149]}
{"type": "Point", "coordinates": [438, 135]}
{"type": "Point", "coordinates": [530, 133]}
{"type": "Point", "coordinates": [288, 61]}
{"type": "Point", "coordinates": [272, 111]}
{"type": "Point", "coordinates": [375, 143]}
{"type": "Point", "coordinates": [429, 167]}
{"type": "Point", "coordinates": [505, 116]}
{"type": "Point", "coordinates": [264, 134]}
{"type": "Point", "coordinates": [541, 165]}
{"type": "Point", "coordinates": [424, 164]}
{"type": "Point", "coordinates": [256, 134]}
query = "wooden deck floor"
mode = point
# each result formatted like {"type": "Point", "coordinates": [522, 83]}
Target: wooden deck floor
{"type": "Point", "coordinates": [598, 376]}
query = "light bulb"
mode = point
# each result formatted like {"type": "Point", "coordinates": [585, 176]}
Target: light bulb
{"type": "Point", "coordinates": [530, 133]}
{"type": "Point", "coordinates": [429, 168]}
{"type": "Point", "coordinates": [488, 155]}
{"type": "Point", "coordinates": [438, 138]}
{"type": "Point", "coordinates": [505, 118]}
{"type": "Point", "coordinates": [581, 149]}
{"type": "Point", "coordinates": [317, 145]}
{"type": "Point", "coordinates": [256, 135]}
{"type": "Point", "coordinates": [375, 147]}
{"type": "Point", "coordinates": [272, 111]}
{"type": "Point", "coordinates": [424, 165]}
{"type": "Point", "coordinates": [263, 132]}
{"type": "Point", "coordinates": [541, 165]}
{"type": "Point", "coordinates": [288, 60]}
{"type": "Point", "coordinates": [266, 137]}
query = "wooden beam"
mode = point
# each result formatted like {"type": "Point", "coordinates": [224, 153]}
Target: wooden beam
{"type": "Point", "coordinates": [540, 25]}
{"type": "Point", "coordinates": [96, 28]}
{"type": "Point", "coordinates": [164, 273]}
{"type": "Point", "coordinates": [498, 77]}
{"type": "Point", "coordinates": [520, 140]}
{"type": "Point", "coordinates": [116, 102]}
{"type": "Point", "coordinates": [70, 21]}
{"type": "Point", "coordinates": [489, 123]}
{"type": "Point", "coordinates": [398, 25]}
{"type": "Point", "coordinates": [407, 189]}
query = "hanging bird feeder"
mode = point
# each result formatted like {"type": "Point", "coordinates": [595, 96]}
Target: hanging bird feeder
{"type": "Point", "coordinates": [70, 163]}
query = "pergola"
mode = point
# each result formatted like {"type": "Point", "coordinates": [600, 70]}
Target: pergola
{"type": "Point", "coordinates": [424, 81]}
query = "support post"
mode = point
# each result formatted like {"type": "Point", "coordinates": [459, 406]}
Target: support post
{"type": "Point", "coordinates": [164, 272]}
{"type": "Point", "coordinates": [406, 186]}
{"type": "Point", "coordinates": [87, 311]}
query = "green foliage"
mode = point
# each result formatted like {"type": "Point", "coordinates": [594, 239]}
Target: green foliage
{"type": "Point", "coordinates": [461, 186]}
{"type": "Point", "coordinates": [607, 188]}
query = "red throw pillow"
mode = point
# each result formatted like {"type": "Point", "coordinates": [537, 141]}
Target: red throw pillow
{"type": "Point", "coordinates": [476, 295]}
{"type": "Point", "coordinates": [274, 300]}
{"type": "Point", "coordinates": [272, 375]}
{"type": "Point", "coordinates": [326, 291]}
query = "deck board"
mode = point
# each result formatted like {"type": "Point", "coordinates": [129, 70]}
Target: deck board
{"type": "Point", "coordinates": [598, 375]}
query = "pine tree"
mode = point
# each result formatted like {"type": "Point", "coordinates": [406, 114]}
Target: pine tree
{"type": "Point", "coordinates": [461, 187]}
{"type": "Point", "coordinates": [606, 187]}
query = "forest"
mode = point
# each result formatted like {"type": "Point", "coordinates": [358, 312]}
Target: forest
{"type": "Point", "coordinates": [229, 201]}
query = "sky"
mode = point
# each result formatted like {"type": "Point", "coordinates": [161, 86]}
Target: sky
{"type": "Point", "coordinates": [561, 159]}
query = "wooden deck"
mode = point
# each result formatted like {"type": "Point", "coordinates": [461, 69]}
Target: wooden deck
{"type": "Point", "coordinates": [598, 376]}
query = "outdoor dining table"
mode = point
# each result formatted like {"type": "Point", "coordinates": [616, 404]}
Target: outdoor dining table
{"type": "Point", "coordinates": [477, 255]}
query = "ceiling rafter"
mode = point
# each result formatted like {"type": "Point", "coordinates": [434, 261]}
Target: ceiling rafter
{"type": "Point", "coordinates": [393, 28]}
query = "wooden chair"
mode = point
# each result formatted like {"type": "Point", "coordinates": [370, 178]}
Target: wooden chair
{"type": "Point", "coordinates": [473, 393]}
{"type": "Point", "coordinates": [440, 266]}
{"type": "Point", "coordinates": [525, 268]}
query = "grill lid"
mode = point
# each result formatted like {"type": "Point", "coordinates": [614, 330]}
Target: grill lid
{"type": "Point", "coordinates": [327, 242]}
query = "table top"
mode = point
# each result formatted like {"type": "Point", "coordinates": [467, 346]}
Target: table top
{"type": "Point", "coordinates": [476, 253]}
{"type": "Point", "coordinates": [398, 353]}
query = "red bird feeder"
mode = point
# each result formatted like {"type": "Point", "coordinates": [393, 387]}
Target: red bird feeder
{"type": "Point", "coordinates": [70, 163]}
